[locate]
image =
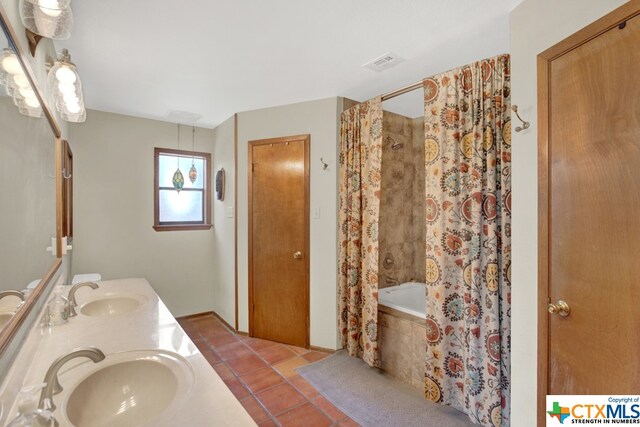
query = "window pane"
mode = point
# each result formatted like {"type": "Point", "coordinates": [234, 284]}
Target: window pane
{"type": "Point", "coordinates": [168, 164]}
{"type": "Point", "coordinates": [180, 207]}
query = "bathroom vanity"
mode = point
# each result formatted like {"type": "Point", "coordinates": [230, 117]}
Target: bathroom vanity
{"type": "Point", "coordinates": [152, 373]}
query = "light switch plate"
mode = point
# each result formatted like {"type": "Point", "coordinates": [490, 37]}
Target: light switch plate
{"type": "Point", "coordinates": [316, 212]}
{"type": "Point", "coordinates": [230, 212]}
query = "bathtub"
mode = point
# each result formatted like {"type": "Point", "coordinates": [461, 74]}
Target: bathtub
{"type": "Point", "coordinates": [409, 298]}
{"type": "Point", "coordinates": [402, 333]}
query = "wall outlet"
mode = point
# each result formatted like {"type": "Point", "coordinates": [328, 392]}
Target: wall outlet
{"type": "Point", "coordinates": [230, 212]}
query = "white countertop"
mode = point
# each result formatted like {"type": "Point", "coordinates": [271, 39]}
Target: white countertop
{"type": "Point", "coordinates": [205, 399]}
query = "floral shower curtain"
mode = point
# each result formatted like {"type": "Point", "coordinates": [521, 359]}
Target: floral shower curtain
{"type": "Point", "coordinates": [359, 211]}
{"type": "Point", "coordinates": [468, 200]}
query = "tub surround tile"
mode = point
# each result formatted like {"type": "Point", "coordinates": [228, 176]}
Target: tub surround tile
{"type": "Point", "coordinates": [402, 214]}
{"type": "Point", "coordinates": [418, 355]}
{"type": "Point", "coordinates": [402, 347]}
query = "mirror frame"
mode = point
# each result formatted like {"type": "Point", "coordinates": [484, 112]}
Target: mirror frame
{"type": "Point", "coordinates": [12, 327]}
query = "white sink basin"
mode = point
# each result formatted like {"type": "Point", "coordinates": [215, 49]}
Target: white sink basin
{"type": "Point", "coordinates": [4, 318]}
{"type": "Point", "coordinates": [112, 305]}
{"type": "Point", "coordinates": [128, 389]}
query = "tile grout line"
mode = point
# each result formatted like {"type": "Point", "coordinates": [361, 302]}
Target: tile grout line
{"type": "Point", "coordinates": [237, 376]}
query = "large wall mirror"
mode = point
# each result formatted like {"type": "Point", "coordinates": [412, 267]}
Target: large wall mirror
{"type": "Point", "coordinates": [29, 183]}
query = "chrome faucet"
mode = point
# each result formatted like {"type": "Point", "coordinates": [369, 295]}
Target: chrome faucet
{"type": "Point", "coordinates": [72, 296]}
{"type": "Point", "coordinates": [51, 378]}
{"type": "Point", "coordinates": [12, 293]}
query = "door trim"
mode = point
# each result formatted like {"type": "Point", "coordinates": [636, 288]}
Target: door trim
{"type": "Point", "coordinates": [306, 139]}
{"type": "Point", "coordinates": [593, 30]}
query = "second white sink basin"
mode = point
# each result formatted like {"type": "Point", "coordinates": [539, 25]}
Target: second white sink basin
{"type": "Point", "coordinates": [112, 305]}
{"type": "Point", "coordinates": [132, 389]}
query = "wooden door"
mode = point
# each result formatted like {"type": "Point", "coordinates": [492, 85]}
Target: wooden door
{"type": "Point", "coordinates": [589, 104]}
{"type": "Point", "coordinates": [279, 240]}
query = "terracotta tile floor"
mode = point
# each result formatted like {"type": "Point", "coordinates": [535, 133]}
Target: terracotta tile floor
{"type": "Point", "coordinates": [261, 375]}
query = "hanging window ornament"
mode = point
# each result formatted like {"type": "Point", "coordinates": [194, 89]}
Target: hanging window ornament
{"type": "Point", "coordinates": [178, 178]}
{"type": "Point", "coordinates": [193, 172]}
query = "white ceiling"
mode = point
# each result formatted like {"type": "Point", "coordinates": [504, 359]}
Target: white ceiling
{"type": "Point", "coordinates": [213, 58]}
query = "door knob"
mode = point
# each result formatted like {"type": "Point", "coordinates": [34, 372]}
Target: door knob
{"type": "Point", "coordinates": [297, 255]}
{"type": "Point", "coordinates": [561, 308]}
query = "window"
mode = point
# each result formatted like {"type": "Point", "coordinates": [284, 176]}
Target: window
{"type": "Point", "coordinates": [189, 209]}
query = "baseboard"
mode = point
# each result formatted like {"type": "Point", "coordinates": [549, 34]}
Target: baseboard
{"type": "Point", "coordinates": [224, 322]}
{"type": "Point", "coordinates": [325, 350]}
{"type": "Point", "coordinates": [191, 316]}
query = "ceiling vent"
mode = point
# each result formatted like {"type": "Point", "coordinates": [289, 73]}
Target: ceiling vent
{"type": "Point", "coordinates": [383, 62]}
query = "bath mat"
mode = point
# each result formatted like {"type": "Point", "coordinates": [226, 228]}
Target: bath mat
{"type": "Point", "coordinates": [373, 399]}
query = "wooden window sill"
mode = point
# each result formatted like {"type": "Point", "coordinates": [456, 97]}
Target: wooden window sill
{"type": "Point", "coordinates": [182, 227]}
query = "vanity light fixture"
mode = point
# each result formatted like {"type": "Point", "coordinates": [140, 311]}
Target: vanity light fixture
{"type": "Point", "coordinates": [17, 85]}
{"type": "Point", "coordinates": [48, 18]}
{"type": "Point", "coordinates": [193, 172]}
{"type": "Point", "coordinates": [178, 178]}
{"type": "Point", "coordinates": [64, 84]}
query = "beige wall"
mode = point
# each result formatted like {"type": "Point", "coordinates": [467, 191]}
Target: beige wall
{"type": "Point", "coordinates": [535, 26]}
{"type": "Point", "coordinates": [320, 119]}
{"type": "Point", "coordinates": [223, 222]}
{"type": "Point", "coordinates": [113, 211]}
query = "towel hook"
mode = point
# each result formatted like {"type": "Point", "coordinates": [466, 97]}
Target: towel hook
{"type": "Point", "coordinates": [325, 166]}
{"type": "Point", "coordinates": [525, 125]}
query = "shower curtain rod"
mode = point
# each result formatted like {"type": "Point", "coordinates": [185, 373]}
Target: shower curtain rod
{"type": "Point", "coordinates": [402, 90]}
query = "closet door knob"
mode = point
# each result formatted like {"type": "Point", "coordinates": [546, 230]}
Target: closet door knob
{"type": "Point", "coordinates": [297, 255]}
{"type": "Point", "coordinates": [561, 308]}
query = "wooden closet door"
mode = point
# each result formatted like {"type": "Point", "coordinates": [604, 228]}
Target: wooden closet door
{"type": "Point", "coordinates": [279, 234]}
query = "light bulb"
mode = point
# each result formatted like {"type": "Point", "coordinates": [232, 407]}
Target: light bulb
{"type": "Point", "coordinates": [27, 92]}
{"type": "Point", "coordinates": [67, 88]}
{"type": "Point", "coordinates": [65, 75]}
{"type": "Point", "coordinates": [73, 108]}
{"type": "Point", "coordinates": [11, 65]}
{"type": "Point", "coordinates": [32, 102]}
{"type": "Point", "coordinates": [50, 7]}
{"type": "Point", "coordinates": [70, 98]}
{"type": "Point", "coordinates": [21, 81]}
